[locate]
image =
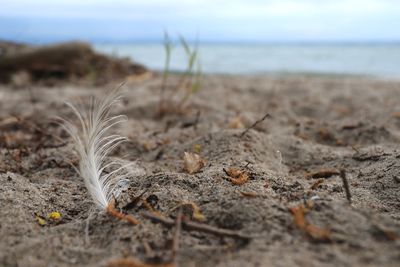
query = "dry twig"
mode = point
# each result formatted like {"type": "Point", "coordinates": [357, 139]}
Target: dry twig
{"type": "Point", "coordinates": [175, 242]}
{"type": "Point", "coordinates": [345, 185]}
{"type": "Point", "coordinates": [193, 226]}
{"type": "Point", "coordinates": [254, 124]}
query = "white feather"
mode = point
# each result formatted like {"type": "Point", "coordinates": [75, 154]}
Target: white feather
{"type": "Point", "coordinates": [93, 143]}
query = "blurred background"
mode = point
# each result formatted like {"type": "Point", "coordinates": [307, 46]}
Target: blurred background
{"type": "Point", "coordinates": [354, 37]}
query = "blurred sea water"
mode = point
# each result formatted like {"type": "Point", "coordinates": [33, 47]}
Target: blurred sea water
{"type": "Point", "coordinates": [381, 60]}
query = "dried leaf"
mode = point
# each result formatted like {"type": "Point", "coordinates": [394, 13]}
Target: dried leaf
{"type": "Point", "coordinates": [198, 216]}
{"type": "Point", "coordinates": [193, 162]}
{"type": "Point", "coordinates": [396, 114]}
{"type": "Point", "coordinates": [298, 216]}
{"type": "Point", "coordinates": [150, 208]}
{"type": "Point", "coordinates": [388, 234]}
{"type": "Point", "coordinates": [318, 233]}
{"type": "Point", "coordinates": [132, 262]}
{"type": "Point", "coordinates": [149, 145]}
{"type": "Point", "coordinates": [316, 184]}
{"type": "Point", "coordinates": [340, 142]}
{"type": "Point", "coordinates": [303, 136]}
{"type": "Point", "coordinates": [351, 126]}
{"type": "Point", "coordinates": [242, 179]}
{"type": "Point", "coordinates": [323, 173]}
{"type": "Point", "coordinates": [9, 121]}
{"type": "Point", "coordinates": [237, 176]}
{"type": "Point", "coordinates": [249, 194]}
{"type": "Point", "coordinates": [165, 141]}
{"type": "Point", "coordinates": [309, 204]}
{"type": "Point", "coordinates": [236, 123]}
{"type": "Point", "coordinates": [195, 211]}
{"type": "Point", "coordinates": [325, 135]}
{"type": "Point", "coordinates": [111, 210]}
{"type": "Point", "coordinates": [311, 230]}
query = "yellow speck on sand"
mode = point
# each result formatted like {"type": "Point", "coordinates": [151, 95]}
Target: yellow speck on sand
{"type": "Point", "coordinates": [55, 215]}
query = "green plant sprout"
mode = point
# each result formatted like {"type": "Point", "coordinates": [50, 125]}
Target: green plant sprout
{"type": "Point", "coordinates": [189, 82]}
{"type": "Point", "coordinates": [168, 52]}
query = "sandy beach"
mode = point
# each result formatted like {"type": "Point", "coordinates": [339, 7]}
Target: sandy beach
{"type": "Point", "coordinates": [293, 206]}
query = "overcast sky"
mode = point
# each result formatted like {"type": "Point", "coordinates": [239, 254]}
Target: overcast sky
{"type": "Point", "coordinates": [211, 20]}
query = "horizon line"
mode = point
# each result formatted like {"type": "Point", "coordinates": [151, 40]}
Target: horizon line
{"type": "Point", "coordinates": [157, 41]}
